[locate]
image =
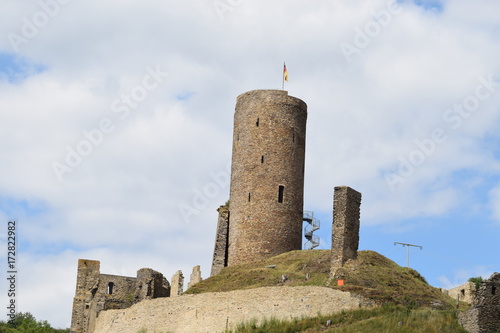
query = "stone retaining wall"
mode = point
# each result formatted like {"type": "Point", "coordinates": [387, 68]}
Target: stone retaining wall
{"type": "Point", "coordinates": [214, 312]}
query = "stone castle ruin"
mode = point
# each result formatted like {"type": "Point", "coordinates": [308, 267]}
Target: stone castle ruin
{"type": "Point", "coordinates": [96, 292]}
{"type": "Point", "coordinates": [263, 218]}
{"type": "Point", "coordinates": [265, 213]}
{"type": "Point", "coordinates": [484, 314]}
{"type": "Point", "coordinates": [345, 233]}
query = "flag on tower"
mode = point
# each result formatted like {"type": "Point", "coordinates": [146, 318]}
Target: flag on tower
{"type": "Point", "coordinates": [285, 73]}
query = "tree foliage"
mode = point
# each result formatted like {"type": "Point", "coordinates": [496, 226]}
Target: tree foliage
{"type": "Point", "coordinates": [25, 322]}
{"type": "Point", "coordinates": [477, 280]}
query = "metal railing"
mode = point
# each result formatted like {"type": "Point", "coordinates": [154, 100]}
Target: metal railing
{"type": "Point", "coordinates": [310, 228]}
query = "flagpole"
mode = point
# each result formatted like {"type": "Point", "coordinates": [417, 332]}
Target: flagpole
{"type": "Point", "coordinates": [283, 83]}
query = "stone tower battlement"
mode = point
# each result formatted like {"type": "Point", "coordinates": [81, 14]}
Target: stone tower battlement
{"type": "Point", "coordinates": [267, 175]}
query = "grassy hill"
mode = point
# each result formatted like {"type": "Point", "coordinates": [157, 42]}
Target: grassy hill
{"type": "Point", "coordinates": [371, 275]}
{"type": "Point", "coordinates": [387, 318]}
{"type": "Point", "coordinates": [404, 295]}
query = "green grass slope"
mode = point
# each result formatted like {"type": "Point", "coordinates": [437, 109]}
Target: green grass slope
{"type": "Point", "coordinates": [387, 318]}
{"type": "Point", "coordinates": [371, 275]}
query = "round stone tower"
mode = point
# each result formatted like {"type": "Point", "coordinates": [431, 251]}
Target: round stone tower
{"type": "Point", "coordinates": [267, 175]}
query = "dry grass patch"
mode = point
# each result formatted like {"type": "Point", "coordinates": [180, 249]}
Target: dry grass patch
{"type": "Point", "coordinates": [371, 275]}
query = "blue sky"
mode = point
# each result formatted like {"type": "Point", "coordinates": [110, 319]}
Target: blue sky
{"type": "Point", "coordinates": [116, 129]}
{"type": "Point", "coordinates": [15, 69]}
{"type": "Point", "coordinates": [432, 5]}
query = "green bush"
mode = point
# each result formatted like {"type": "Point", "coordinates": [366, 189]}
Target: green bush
{"type": "Point", "coordinates": [476, 280]}
{"type": "Point", "coordinates": [25, 322]}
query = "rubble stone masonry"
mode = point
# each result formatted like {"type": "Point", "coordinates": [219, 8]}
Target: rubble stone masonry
{"type": "Point", "coordinates": [464, 293]}
{"type": "Point", "coordinates": [219, 260]}
{"type": "Point", "coordinates": [177, 284]}
{"type": "Point", "coordinates": [267, 175]}
{"type": "Point", "coordinates": [484, 314]}
{"type": "Point", "coordinates": [215, 312]}
{"type": "Point", "coordinates": [195, 276]}
{"type": "Point", "coordinates": [96, 292]}
{"type": "Point", "coordinates": [345, 228]}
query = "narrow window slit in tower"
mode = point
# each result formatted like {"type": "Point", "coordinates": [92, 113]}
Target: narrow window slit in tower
{"type": "Point", "coordinates": [281, 190]}
{"type": "Point", "coordinates": [257, 122]}
{"type": "Point", "coordinates": [293, 137]}
{"type": "Point", "coordinates": [493, 290]}
{"type": "Point", "coordinates": [262, 159]}
{"type": "Point", "coordinates": [248, 197]}
{"type": "Point", "coordinates": [110, 288]}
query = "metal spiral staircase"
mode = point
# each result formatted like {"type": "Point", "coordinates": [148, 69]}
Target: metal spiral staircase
{"type": "Point", "coordinates": [312, 226]}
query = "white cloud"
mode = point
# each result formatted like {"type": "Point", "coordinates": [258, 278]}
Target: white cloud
{"type": "Point", "coordinates": [121, 205]}
{"type": "Point", "coordinates": [494, 196]}
{"type": "Point", "coordinates": [461, 276]}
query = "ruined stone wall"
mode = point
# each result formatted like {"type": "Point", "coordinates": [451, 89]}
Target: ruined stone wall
{"type": "Point", "coordinates": [345, 228]}
{"type": "Point", "coordinates": [469, 320]}
{"type": "Point", "coordinates": [177, 284]}
{"type": "Point", "coordinates": [219, 260]}
{"type": "Point", "coordinates": [113, 292]}
{"type": "Point", "coordinates": [150, 284]}
{"type": "Point", "coordinates": [97, 292]}
{"type": "Point", "coordinates": [464, 293]}
{"type": "Point", "coordinates": [87, 281]}
{"type": "Point", "coordinates": [214, 312]}
{"type": "Point", "coordinates": [267, 175]}
{"type": "Point", "coordinates": [195, 276]}
{"type": "Point", "coordinates": [484, 315]}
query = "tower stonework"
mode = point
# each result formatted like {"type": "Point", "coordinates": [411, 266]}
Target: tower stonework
{"type": "Point", "coordinates": [219, 260]}
{"type": "Point", "coordinates": [345, 229]}
{"type": "Point", "coordinates": [87, 281]}
{"type": "Point", "coordinates": [267, 175]}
